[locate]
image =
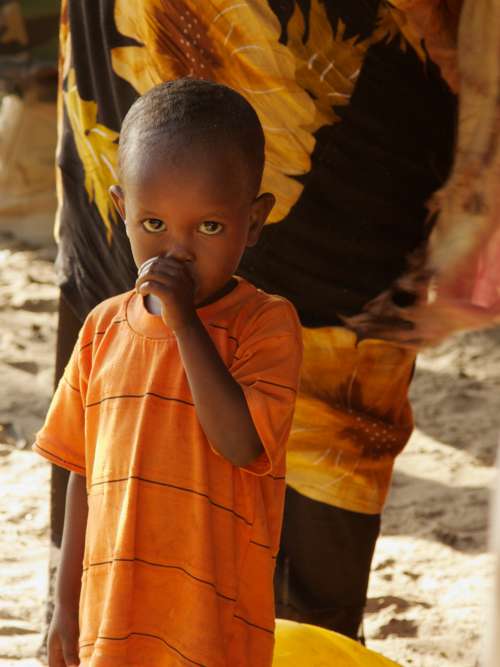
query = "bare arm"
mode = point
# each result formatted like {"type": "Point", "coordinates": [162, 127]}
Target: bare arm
{"type": "Point", "coordinates": [64, 631]}
{"type": "Point", "coordinates": [219, 400]}
{"type": "Point", "coordinates": [73, 542]}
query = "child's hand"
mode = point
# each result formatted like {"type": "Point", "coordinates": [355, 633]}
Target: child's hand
{"type": "Point", "coordinates": [62, 642]}
{"type": "Point", "coordinates": [171, 282]}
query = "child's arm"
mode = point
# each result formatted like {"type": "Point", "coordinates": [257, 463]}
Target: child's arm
{"type": "Point", "coordinates": [219, 400]}
{"type": "Point", "coordinates": [64, 631]}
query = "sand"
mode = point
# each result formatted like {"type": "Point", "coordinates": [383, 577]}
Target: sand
{"type": "Point", "coordinates": [431, 570]}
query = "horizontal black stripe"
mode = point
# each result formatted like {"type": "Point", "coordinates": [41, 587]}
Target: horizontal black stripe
{"type": "Point", "coordinates": [177, 488]}
{"type": "Point", "coordinates": [101, 333]}
{"type": "Point", "coordinates": [59, 458]}
{"type": "Point", "coordinates": [149, 635]}
{"type": "Point", "coordinates": [168, 567]}
{"type": "Point", "coordinates": [253, 625]}
{"type": "Point", "coordinates": [259, 544]}
{"type": "Point", "coordinates": [70, 385]}
{"type": "Point", "coordinates": [144, 634]}
{"type": "Point", "coordinates": [276, 384]}
{"type": "Point", "coordinates": [281, 477]}
{"type": "Point", "coordinates": [146, 393]}
{"type": "Point", "coordinates": [219, 326]}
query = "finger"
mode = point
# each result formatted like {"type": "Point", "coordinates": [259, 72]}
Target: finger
{"type": "Point", "coordinates": [156, 289]}
{"type": "Point", "coordinates": [171, 279]}
{"type": "Point", "coordinates": [146, 263]}
{"type": "Point", "coordinates": [165, 270]}
{"type": "Point", "coordinates": [161, 263]}
{"type": "Point", "coordinates": [169, 282]}
{"type": "Point", "coordinates": [168, 276]}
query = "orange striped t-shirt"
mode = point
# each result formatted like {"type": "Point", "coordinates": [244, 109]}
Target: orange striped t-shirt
{"type": "Point", "coordinates": [180, 544]}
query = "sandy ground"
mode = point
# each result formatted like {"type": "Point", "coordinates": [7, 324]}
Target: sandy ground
{"type": "Point", "coordinates": [431, 568]}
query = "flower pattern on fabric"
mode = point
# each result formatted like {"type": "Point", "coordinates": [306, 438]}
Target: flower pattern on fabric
{"type": "Point", "coordinates": [234, 43]}
{"type": "Point", "coordinates": [294, 86]}
{"type": "Point", "coordinates": [350, 422]}
{"type": "Point", "coordinates": [97, 148]}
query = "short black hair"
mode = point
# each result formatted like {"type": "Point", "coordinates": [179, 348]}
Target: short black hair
{"type": "Point", "coordinates": [216, 112]}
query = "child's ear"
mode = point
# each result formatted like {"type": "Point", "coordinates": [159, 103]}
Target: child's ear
{"type": "Point", "coordinates": [118, 200]}
{"type": "Point", "coordinates": [261, 208]}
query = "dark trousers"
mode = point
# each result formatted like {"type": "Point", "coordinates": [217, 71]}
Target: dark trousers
{"type": "Point", "coordinates": [324, 564]}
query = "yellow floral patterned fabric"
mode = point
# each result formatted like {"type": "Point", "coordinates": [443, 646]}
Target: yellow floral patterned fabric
{"type": "Point", "coordinates": [358, 127]}
{"type": "Point", "coordinates": [352, 418]}
{"type": "Point", "coordinates": [292, 87]}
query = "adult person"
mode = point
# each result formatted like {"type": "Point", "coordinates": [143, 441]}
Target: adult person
{"type": "Point", "coordinates": [359, 126]}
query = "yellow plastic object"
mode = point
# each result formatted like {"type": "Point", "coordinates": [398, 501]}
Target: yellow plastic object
{"type": "Point", "coordinates": [302, 645]}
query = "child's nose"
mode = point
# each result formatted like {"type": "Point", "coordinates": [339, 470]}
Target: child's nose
{"type": "Point", "coordinates": [180, 251]}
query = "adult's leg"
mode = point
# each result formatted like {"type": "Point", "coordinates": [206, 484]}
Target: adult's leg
{"type": "Point", "coordinates": [324, 564]}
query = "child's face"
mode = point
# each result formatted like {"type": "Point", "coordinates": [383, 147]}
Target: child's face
{"type": "Point", "coordinates": [197, 210]}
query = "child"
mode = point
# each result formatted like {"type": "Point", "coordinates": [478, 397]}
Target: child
{"type": "Point", "coordinates": [174, 427]}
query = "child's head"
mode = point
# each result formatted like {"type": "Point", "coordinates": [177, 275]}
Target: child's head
{"type": "Point", "coordinates": [191, 158]}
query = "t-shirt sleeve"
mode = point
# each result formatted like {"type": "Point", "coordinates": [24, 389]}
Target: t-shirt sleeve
{"type": "Point", "coordinates": [267, 366]}
{"type": "Point", "coordinates": [62, 438]}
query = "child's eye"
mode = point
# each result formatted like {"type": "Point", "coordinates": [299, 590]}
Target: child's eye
{"type": "Point", "coordinates": [153, 225]}
{"type": "Point", "coordinates": [210, 228]}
